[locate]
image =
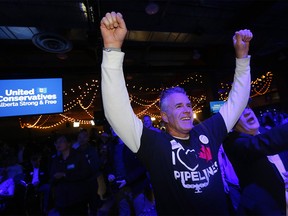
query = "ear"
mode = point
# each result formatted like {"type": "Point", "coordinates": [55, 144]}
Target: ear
{"type": "Point", "coordinates": [164, 116]}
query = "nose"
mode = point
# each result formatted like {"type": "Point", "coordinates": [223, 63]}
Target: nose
{"type": "Point", "coordinates": [187, 109]}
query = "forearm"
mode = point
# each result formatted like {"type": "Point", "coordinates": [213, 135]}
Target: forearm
{"type": "Point", "coordinates": [238, 95]}
{"type": "Point", "coordinates": [269, 143]}
{"type": "Point", "coordinates": [116, 103]}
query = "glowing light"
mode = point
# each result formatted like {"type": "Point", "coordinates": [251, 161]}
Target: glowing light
{"type": "Point", "coordinates": [76, 124]}
{"type": "Point", "coordinates": [194, 115]}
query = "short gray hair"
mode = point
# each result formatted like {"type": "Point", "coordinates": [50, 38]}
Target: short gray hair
{"type": "Point", "coordinates": [167, 92]}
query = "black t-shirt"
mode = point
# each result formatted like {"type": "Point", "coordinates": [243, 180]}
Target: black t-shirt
{"type": "Point", "coordinates": [185, 175]}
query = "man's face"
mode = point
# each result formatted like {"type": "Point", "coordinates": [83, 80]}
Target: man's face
{"type": "Point", "coordinates": [62, 144]}
{"type": "Point", "coordinates": [83, 137]}
{"type": "Point", "coordinates": [248, 122]}
{"type": "Point", "coordinates": [179, 115]}
{"type": "Point", "coordinates": [147, 122]}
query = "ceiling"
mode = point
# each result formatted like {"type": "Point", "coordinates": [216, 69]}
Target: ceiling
{"type": "Point", "coordinates": [193, 34]}
{"type": "Point", "coordinates": [178, 38]}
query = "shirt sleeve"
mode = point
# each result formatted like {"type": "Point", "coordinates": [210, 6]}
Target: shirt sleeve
{"type": "Point", "coordinates": [248, 147]}
{"type": "Point", "coordinates": [238, 95]}
{"type": "Point", "coordinates": [116, 103]}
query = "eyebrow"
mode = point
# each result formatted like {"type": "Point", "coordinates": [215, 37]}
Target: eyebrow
{"type": "Point", "coordinates": [187, 103]}
{"type": "Point", "coordinates": [178, 104]}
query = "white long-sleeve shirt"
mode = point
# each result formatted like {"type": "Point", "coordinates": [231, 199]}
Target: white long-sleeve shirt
{"type": "Point", "coordinates": [121, 116]}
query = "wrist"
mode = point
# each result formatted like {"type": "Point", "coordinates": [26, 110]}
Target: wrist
{"type": "Point", "coordinates": [243, 57]}
{"type": "Point", "coordinates": [109, 49]}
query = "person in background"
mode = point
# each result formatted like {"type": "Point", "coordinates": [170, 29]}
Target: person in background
{"type": "Point", "coordinates": [96, 182]}
{"type": "Point", "coordinates": [12, 191]}
{"type": "Point", "coordinates": [38, 186]}
{"type": "Point", "coordinates": [183, 161]}
{"type": "Point", "coordinates": [69, 175]}
{"type": "Point", "coordinates": [259, 159]}
{"type": "Point", "coordinates": [20, 152]}
{"type": "Point", "coordinates": [269, 122]}
{"type": "Point", "coordinates": [94, 138]}
{"type": "Point", "coordinates": [147, 122]}
{"type": "Point", "coordinates": [128, 180]}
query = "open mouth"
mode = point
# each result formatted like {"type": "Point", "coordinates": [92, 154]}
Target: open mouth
{"type": "Point", "coordinates": [250, 120]}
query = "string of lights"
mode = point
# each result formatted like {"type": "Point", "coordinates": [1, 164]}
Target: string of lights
{"type": "Point", "coordinates": [260, 86]}
{"type": "Point", "coordinates": [89, 91]}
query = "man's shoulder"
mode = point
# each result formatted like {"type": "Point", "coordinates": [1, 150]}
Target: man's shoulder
{"type": "Point", "coordinates": [235, 137]}
{"type": "Point", "coordinates": [155, 129]}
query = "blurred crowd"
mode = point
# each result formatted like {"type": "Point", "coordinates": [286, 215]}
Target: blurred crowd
{"type": "Point", "coordinates": [87, 173]}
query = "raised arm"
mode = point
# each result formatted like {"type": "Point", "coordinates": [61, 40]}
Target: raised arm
{"type": "Point", "coordinates": [240, 91]}
{"type": "Point", "coordinates": [116, 103]}
{"type": "Point", "coordinates": [113, 30]}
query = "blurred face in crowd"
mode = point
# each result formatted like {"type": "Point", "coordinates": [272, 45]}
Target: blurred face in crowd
{"type": "Point", "coordinates": [178, 114]}
{"type": "Point", "coordinates": [147, 122]}
{"type": "Point", "coordinates": [248, 122]}
{"type": "Point", "coordinates": [62, 144]}
{"type": "Point", "coordinates": [83, 137]}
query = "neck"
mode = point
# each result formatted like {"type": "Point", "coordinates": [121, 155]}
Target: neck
{"type": "Point", "coordinates": [182, 138]}
{"type": "Point", "coordinates": [176, 134]}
